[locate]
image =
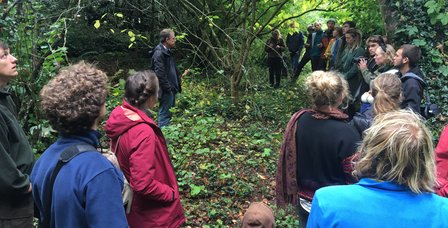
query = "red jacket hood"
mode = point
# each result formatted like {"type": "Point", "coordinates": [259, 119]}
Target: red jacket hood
{"type": "Point", "coordinates": [124, 117]}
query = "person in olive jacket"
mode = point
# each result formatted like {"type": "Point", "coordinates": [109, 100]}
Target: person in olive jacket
{"type": "Point", "coordinates": [16, 155]}
{"type": "Point", "coordinates": [349, 67]}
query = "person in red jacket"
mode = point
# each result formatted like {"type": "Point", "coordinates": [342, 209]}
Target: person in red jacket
{"type": "Point", "coordinates": [442, 163]}
{"type": "Point", "coordinates": [143, 156]}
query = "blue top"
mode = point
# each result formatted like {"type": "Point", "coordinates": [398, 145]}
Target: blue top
{"type": "Point", "coordinates": [87, 190]}
{"type": "Point", "coordinates": [371, 203]}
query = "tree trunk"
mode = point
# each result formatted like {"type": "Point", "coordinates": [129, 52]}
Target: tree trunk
{"type": "Point", "coordinates": [234, 90]}
{"type": "Point", "coordinates": [390, 19]}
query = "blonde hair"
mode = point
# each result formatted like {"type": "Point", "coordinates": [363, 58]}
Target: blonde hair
{"type": "Point", "coordinates": [398, 147]}
{"type": "Point", "coordinates": [386, 89]}
{"type": "Point", "coordinates": [327, 88]}
{"type": "Point", "coordinates": [276, 31]}
{"type": "Point", "coordinates": [389, 54]}
{"type": "Point", "coordinates": [357, 36]}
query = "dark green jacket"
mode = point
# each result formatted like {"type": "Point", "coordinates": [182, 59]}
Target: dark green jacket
{"type": "Point", "coordinates": [16, 160]}
{"type": "Point", "coordinates": [351, 72]}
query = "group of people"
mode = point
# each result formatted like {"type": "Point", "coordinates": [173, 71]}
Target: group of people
{"type": "Point", "coordinates": [340, 49]}
{"type": "Point", "coordinates": [72, 184]}
{"type": "Point", "coordinates": [374, 171]}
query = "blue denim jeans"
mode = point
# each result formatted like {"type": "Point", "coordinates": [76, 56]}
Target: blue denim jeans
{"type": "Point", "coordinates": [166, 101]}
{"type": "Point", "coordinates": [295, 60]}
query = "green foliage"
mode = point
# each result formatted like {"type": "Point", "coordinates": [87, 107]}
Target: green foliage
{"type": "Point", "coordinates": [437, 11]}
{"type": "Point", "coordinates": [36, 41]}
{"type": "Point", "coordinates": [366, 15]}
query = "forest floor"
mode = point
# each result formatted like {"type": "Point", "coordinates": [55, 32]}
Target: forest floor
{"type": "Point", "coordinates": [225, 154]}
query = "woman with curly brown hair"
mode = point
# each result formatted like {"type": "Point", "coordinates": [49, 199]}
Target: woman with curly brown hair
{"type": "Point", "coordinates": [86, 191]}
{"type": "Point", "coordinates": [317, 146]}
{"type": "Point", "coordinates": [143, 156]}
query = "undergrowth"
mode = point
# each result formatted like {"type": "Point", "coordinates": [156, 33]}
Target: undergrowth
{"type": "Point", "coordinates": [225, 154]}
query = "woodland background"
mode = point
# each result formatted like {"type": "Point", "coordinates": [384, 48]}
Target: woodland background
{"type": "Point", "coordinates": [228, 123]}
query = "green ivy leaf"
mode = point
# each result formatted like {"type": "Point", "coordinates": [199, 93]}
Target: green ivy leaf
{"type": "Point", "coordinates": [195, 189]}
{"type": "Point", "coordinates": [97, 24]}
{"type": "Point", "coordinates": [419, 42]}
{"type": "Point", "coordinates": [444, 70]}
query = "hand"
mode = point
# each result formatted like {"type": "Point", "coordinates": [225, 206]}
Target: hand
{"type": "Point", "coordinates": [30, 188]}
{"type": "Point", "coordinates": [187, 71]}
{"type": "Point", "coordinates": [277, 47]}
{"type": "Point", "coordinates": [319, 45]}
{"type": "Point", "coordinates": [362, 65]}
{"type": "Point", "coordinates": [307, 45]}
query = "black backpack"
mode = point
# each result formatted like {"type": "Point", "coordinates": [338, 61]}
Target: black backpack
{"type": "Point", "coordinates": [427, 109]}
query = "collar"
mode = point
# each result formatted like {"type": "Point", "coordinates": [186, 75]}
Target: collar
{"type": "Point", "coordinates": [91, 137]}
{"type": "Point", "coordinates": [385, 185]}
{"type": "Point", "coordinates": [4, 91]}
{"type": "Point", "coordinates": [136, 114]}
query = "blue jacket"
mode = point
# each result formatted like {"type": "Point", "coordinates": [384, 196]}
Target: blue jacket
{"type": "Point", "coordinates": [87, 190]}
{"type": "Point", "coordinates": [370, 203]}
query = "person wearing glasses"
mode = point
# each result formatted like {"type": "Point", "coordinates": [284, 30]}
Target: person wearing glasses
{"type": "Point", "coordinates": [163, 64]}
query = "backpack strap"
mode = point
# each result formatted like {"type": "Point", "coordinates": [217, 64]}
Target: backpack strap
{"type": "Point", "coordinates": [66, 155]}
{"type": "Point", "coordinates": [421, 81]}
{"type": "Point", "coordinates": [409, 75]}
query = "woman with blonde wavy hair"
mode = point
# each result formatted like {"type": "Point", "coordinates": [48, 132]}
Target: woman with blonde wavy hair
{"type": "Point", "coordinates": [397, 178]}
{"type": "Point", "coordinates": [349, 69]}
{"type": "Point", "coordinates": [317, 145]}
{"type": "Point", "coordinates": [386, 95]}
{"type": "Point", "coordinates": [384, 59]}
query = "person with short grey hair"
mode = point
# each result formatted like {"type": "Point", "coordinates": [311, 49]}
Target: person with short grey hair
{"type": "Point", "coordinates": [163, 64]}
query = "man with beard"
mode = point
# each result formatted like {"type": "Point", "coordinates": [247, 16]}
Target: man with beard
{"type": "Point", "coordinates": [406, 60]}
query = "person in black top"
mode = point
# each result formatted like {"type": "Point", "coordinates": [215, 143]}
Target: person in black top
{"type": "Point", "coordinates": [294, 42]}
{"type": "Point", "coordinates": [275, 47]}
{"type": "Point", "coordinates": [406, 60]}
{"type": "Point", "coordinates": [307, 55]}
{"type": "Point", "coordinates": [324, 141]}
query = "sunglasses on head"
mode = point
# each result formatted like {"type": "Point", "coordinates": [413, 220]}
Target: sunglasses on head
{"type": "Point", "coordinates": [382, 44]}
